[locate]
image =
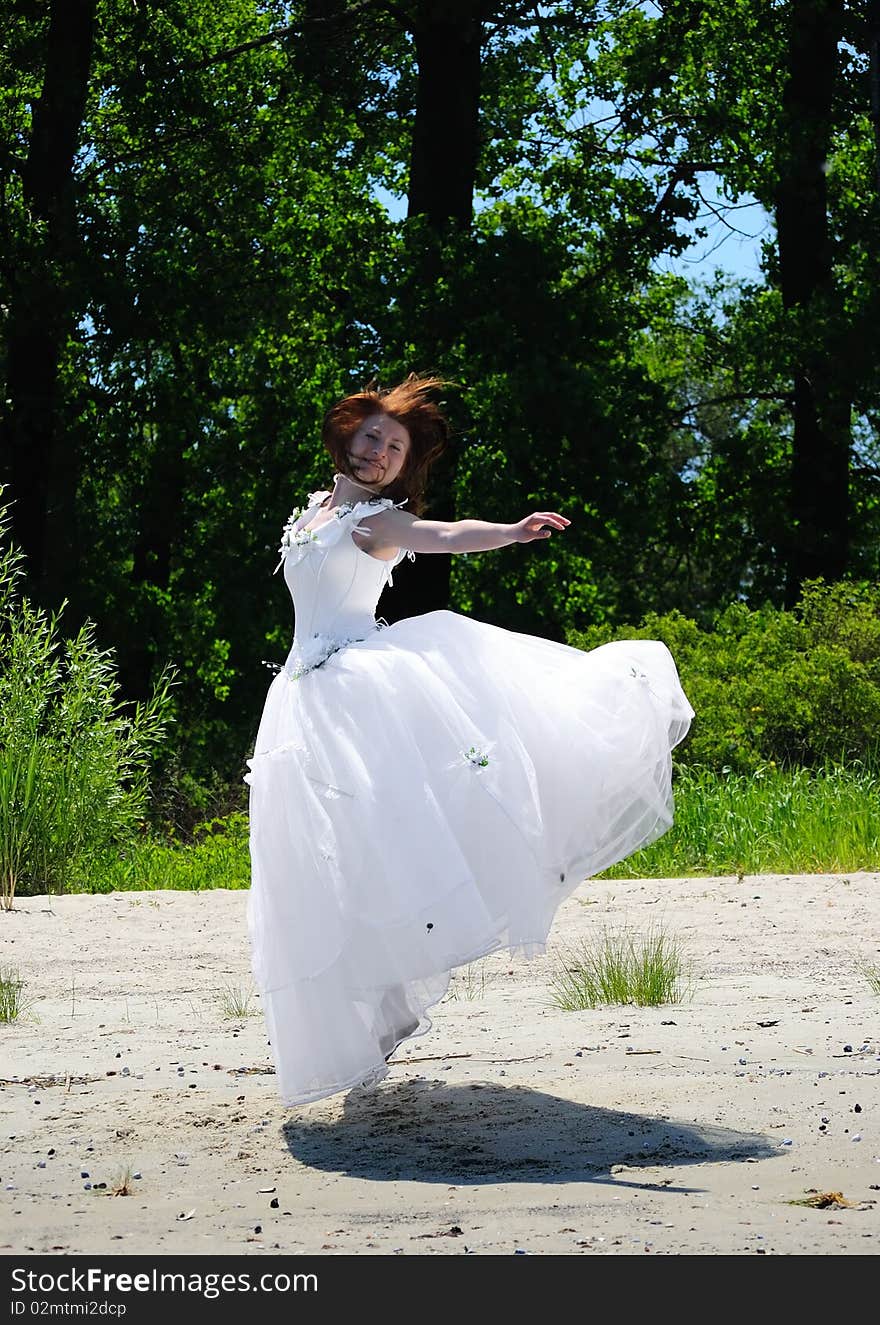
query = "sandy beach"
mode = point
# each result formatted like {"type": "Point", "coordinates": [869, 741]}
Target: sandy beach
{"type": "Point", "coordinates": [512, 1126]}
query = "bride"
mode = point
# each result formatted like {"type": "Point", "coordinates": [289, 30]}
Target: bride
{"type": "Point", "coordinates": [424, 793]}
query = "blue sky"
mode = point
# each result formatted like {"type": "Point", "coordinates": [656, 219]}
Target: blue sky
{"type": "Point", "coordinates": [732, 242]}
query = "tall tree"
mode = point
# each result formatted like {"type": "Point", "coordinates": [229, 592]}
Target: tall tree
{"type": "Point", "coordinates": [448, 49]}
{"type": "Point", "coordinates": [822, 438]}
{"type": "Point", "coordinates": [448, 38]}
{"type": "Point", "coordinates": [43, 299]}
{"type": "Point", "coordinates": [777, 98]}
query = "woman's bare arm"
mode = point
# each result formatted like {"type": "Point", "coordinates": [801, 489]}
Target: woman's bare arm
{"type": "Point", "coordinates": [397, 529]}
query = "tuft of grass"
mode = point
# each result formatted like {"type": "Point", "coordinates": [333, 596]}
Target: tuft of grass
{"type": "Point", "coordinates": [771, 821]}
{"type": "Point", "coordinates": [121, 1185]}
{"type": "Point", "coordinates": [619, 966]}
{"type": "Point", "coordinates": [469, 983]}
{"type": "Point", "coordinates": [236, 1002]}
{"type": "Point", "coordinates": [871, 972]}
{"type": "Point", "coordinates": [12, 1001]}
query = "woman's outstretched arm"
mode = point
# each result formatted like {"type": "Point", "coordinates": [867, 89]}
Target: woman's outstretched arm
{"type": "Point", "coordinates": [396, 529]}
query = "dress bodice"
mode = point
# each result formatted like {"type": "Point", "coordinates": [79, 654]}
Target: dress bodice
{"type": "Point", "coordinates": [335, 585]}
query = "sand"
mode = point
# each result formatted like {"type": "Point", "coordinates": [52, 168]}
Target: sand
{"type": "Point", "coordinates": [512, 1126]}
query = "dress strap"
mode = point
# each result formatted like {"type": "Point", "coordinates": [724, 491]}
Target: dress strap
{"type": "Point", "coordinates": [363, 509]}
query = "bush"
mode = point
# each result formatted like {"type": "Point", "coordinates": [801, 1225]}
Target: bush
{"type": "Point", "coordinates": [776, 687]}
{"type": "Point", "coordinates": [74, 764]}
{"type": "Point", "coordinates": [215, 855]}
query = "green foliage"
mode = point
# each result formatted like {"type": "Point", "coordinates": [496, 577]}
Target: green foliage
{"type": "Point", "coordinates": [233, 271]}
{"type": "Point", "coordinates": [74, 762]}
{"type": "Point", "coordinates": [773, 687]}
{"type": "Point", "coordinates": [771, 821]}
{"type": "Point", "coordinates": [183, 804]}
{"type": "Point", "coordinates": [216, 857]}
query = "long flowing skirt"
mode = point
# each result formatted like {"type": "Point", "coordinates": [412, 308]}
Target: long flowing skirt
{"type": "Point", "coordinates": [426, 796]}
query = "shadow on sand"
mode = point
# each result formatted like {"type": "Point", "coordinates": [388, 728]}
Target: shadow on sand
{"type": "Point", "coordinates": [485, 1133]}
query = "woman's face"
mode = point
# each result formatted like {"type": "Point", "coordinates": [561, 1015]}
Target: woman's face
{"type": "Point", "coordinates": [378, 450]}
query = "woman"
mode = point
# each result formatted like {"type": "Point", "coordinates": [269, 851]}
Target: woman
{"type": "Point", "coordinates": [424, 793]}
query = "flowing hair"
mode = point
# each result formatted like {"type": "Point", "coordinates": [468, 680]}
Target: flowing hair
{"type": "Point", "coordinates": [411, 403]}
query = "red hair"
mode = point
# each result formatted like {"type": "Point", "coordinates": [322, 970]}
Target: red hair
{"type": "Point", "coordinates": [411, 404]}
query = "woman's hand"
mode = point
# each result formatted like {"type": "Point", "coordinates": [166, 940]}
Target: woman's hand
{"type": "Point", "coordinates": [538, 525]}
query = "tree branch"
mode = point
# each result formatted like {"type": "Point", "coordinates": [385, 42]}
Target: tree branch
{"type": "Point", "coordinates": [292, 29]}
{"type": "Point", "coordinates": [682, 172]}
{"type": "Point", "coordinates": [780, 397]}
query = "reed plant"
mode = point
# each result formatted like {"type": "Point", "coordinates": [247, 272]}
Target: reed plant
{"type": "Point", "coordinates": [74, 761]}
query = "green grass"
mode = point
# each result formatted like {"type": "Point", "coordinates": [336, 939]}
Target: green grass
{"type": "Point", "coordinates": [871, 973]}
{"type": "Point", "coordinates": [218, 858]}
{"type": "Point", "coordinates": [618, 967]}
{"type": "Point", "coordinates": [769, 822]}
{"type": "Point", "coordinates": [12, 1002]}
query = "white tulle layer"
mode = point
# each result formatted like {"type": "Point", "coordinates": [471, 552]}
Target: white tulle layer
{"type": "Point", "coordinates": [427, 795]}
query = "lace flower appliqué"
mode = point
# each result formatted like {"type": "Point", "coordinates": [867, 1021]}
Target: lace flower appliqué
{"type": "Point", "coordinates": [479, 758]}
{"type": "Point", "coordinates": [291, 537]}
{"type": "Point", "coordinates": [311, 653]}
{"type": "Point", "coordinates": [300, 538]}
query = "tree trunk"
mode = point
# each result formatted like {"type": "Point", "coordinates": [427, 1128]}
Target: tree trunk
{"type": "Point", "coordinates": [445, 142]}
{"type": "Point", "coordinates": [171, 420]}
{"type": "Point", "coordinates": [42, 309]}
{"type": "Point", "coordinates": [874, 57]}
{"type": "Point", "coordinates": [819, 493]}
{"type": "Point", "coordinates": [448, 36]}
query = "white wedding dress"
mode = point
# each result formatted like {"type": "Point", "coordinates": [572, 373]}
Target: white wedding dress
{"type": "Point", "coordinates": [424, 793]}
